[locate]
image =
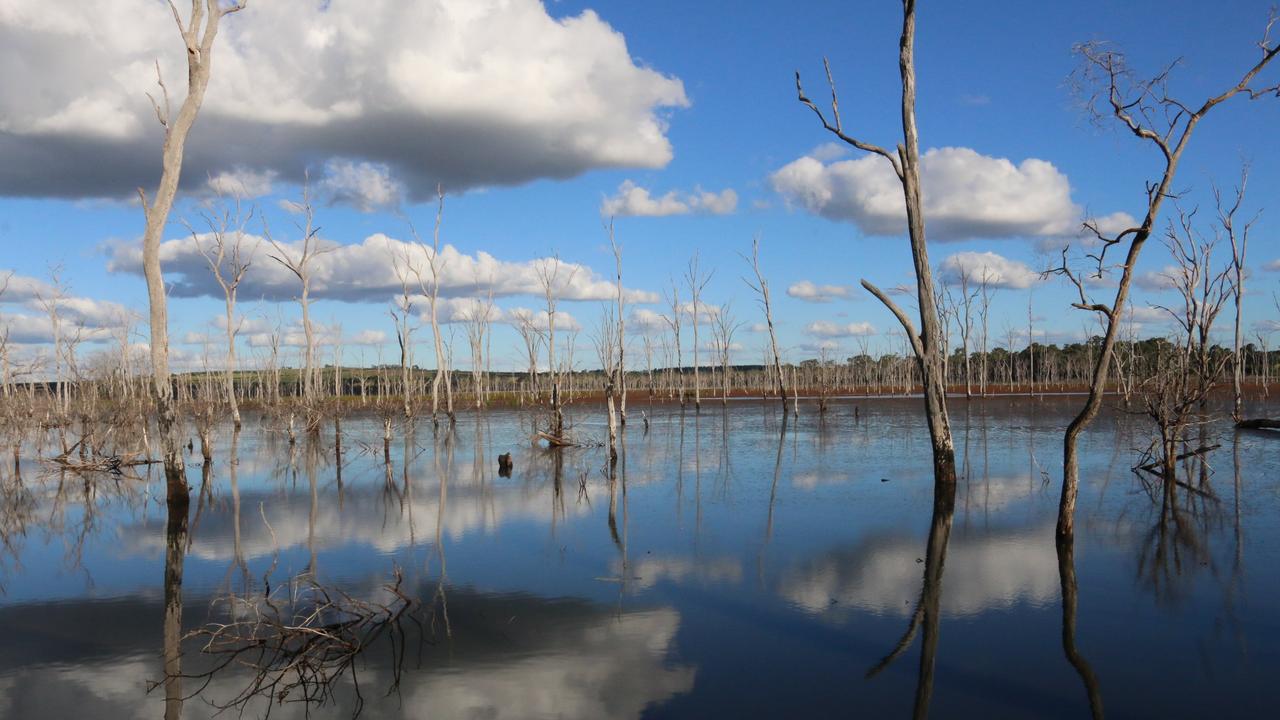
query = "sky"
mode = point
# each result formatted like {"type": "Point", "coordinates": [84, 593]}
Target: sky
{"type": "Point", "coordinates": [541, 121]}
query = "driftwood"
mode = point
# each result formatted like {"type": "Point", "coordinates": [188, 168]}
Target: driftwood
{"type": "Point", "coordinates": [98, 462]}
{"type": "Point", "coordinates": [1259, 424]}
{"type": "Point", "coordinates": [557, 440]}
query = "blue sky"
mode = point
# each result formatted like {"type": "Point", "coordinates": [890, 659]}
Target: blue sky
{"type": "Point", "coordinates": [992, 80]}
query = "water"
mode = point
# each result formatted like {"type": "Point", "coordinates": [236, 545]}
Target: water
{"type": "Point", "coordinates": [733, 571]}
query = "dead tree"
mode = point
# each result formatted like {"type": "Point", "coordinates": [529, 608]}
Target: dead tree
{"type": "Point", "coordinates": [761, 289]}
{"type": "Point", "coordinates": [964, 319]}
{"type": "Point", "coordinates": [606, 342]}
{"type": "Point", "coordinates": [673, 321]}
{"type": "Point", "coordinates": [548, 272]}
{"type": "Point", "coordinates": [1180, 386]}
{"type": "Point", "coordinates": [198, 34]}
{"type": "Point", "coordinates": [697, 281]}
{"type": "Point", "coordinates": [723, 329]}
{"type": "Point", "coordinates": [622, 332]}
{"type": "Point", "coordinates": [927, 345]}
{"type": "Point", "coordinates": [402, 315]}
{"type": "Point", "coordinates": [478, 318]}
{"type": "Point", "coordinates": [432, 290]}
{"type": "Point", "coordinates": [527, 326]}
{"type": "Point", "coordinates": [223, 249]}
{"type": "Point", "coordinates": [1145, 108]}
{"type": "Point", "coordinates": [984, 307]}
{"type": "Point", "coordinates": [299, 263]}
{"type": "Point", "coordinates": [1239, 239]}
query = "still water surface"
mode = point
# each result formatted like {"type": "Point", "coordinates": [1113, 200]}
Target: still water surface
{"type": "Point", "coordinates": [735, 568]}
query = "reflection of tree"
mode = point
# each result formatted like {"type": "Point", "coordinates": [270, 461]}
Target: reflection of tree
{"type": "Point", "coordinates": [178, 502]}
{"type": "Point", "coordinates": [298, 642]}
{"type": "Point", "coordinates": [1185, 510]}
{"type": "Point", "coordinates": [1070, 600]}
{"type": "Point", "coordinates": [927, 614]}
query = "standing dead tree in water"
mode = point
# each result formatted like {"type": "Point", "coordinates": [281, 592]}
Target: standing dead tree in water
{"type": "Point", "coordinates": [478, 317]}
{"type": "Point", "coordinates": [673, 321]}
{"type": "Point", "coordinates": [526, 325]}
{"type": "Point", "coordinates": [697, 281]}
{"type": "Point", "coordinates": [927, 345]}
{"type": "Point", "coordinates": [964, 321]}
{"type": "Point", "coordinates": [1179, 389]}
{"type": "Point", "coordinates": [198, 34]}
{"type": "Point", "coordinates": [1239, 239]}
{"type": "Point", "coordinates": [1145, 108]}
{"type": "Point", "coordinates": [402, 315]}
{"type": "Point", "coordinates": [984, 307]}
{"type": "Point", "coordinates": [622, 330]}
{"type": "Point", "coordinates": [435, 265]}
{"type": "Point", "coordinates": [548, 271]}
{"type": "Point", "coordinates": [299, 262]}
{"type": "Point", "coordinates": [224, 250]}
{"type": "Point", "coordinates": [723, 329]}
{"type": "Point", "coordinates": [606, 342]}
{"type": "Point", "coordinates": [761, 289]}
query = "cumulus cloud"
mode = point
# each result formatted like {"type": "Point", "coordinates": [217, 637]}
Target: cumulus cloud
{"type": "Point", "coordinates": [635, 201]}
{"type": "Point", "coordinates": [365, 186]}
{"type": "Point", "coordinates": [366, 272]}
{"type": "Point", "coordinates": [1157, 280]}
{"type": "Point", "coordinates": [997, 270]}
{"type": "Point", "coordinates": [821, 346]}
{"type": "Point", "coordinates": [647, 322]}
{"type": "Point", "coordinates": [828, 329]}
{"type": "Point", "coordinates": [539, 319]}
{"type": "Point", "coordinates": [464, 92]}
{"type": "Point", "coordinates": [966, 195]}
{"type": "Point", "coordinates": [242, 183]}
{"type": "Point", "coordinates": [809, 292]}
{"type": "Point", "coordinates": [85, 318]}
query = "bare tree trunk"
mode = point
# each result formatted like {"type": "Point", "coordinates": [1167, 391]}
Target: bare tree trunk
{"type": "Point", "coordinates": [1239, 248]}
{"type": "Point", "coordinates": [1132, 112]}
{"type": "Point", "coordinates": [622, 333]}
{"type": "Point", "coordinates": [928, 345]}
{"type": "Point", "coordinates": [697, 281]}
{"type": "Point", "coordinates": [198, 34]}
{"type": "Point", "coordinates": [761, 287]}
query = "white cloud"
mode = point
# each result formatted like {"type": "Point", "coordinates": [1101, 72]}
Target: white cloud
{"type": "Point", "coordinates": [1113, 224]}
{"type": "Point", "coordinates": [826, 152]}
{"type": "Point", "coordinates": [809, 292]}
{"type": "Point", "coordinates": [89, 319]}
{"type": "Point", "coordinates": [633, 200]}
{"type": "Point", "coordinates": [828, 329]}
{"type": "Point", "coordinates": [465, 92]}
{"type": "Point", "coordinates": [998, 271]}
{"type": "Point", "coordinates": [242, 183]}
{"type": "Point", "coordinates": [1157, 280]}
{"type": "Point", "coordinates": [1273, 266]}
{"type": "Point", "coordinates": [647, 322]}
{"type": "Point", "coordinates": [293, 336]}
{"type": "Point", "coordinates": [821, 346]}
{"type": "Point", "coordinates": [540, 320]}
{"type": "Point", "coordinates": [966, 195]}
{"type": "Point", "coordinates": [363, 185]}
{"type": "Point", "coordinates": [365, 272]}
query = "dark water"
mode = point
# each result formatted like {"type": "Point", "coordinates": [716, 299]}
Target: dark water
{"type": "Point", "coordinates": [732, 570]}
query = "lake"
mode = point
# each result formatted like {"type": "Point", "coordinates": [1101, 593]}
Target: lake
{"type": "Point", "coordinates": [735, 566]}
